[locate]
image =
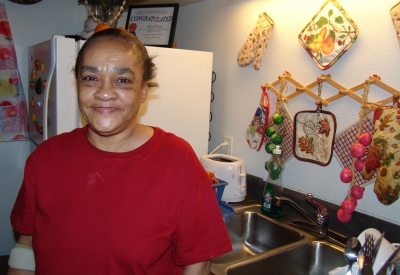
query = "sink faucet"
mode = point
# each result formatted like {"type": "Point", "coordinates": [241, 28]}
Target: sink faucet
{"type": "Point", "coordinates": [321, 219]}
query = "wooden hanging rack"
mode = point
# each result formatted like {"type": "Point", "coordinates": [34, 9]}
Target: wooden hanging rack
{"type": "Point", "coordinates": [342, 91]}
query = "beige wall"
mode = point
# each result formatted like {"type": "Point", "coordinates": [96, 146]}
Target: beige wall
{"type": "Point", "coordinates": [221, 26]}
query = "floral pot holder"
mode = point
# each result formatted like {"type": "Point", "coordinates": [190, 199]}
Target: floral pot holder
{"type": "Point", "coordinates": [328, 35]}
{"type": "Point", "coordinates": [314, 133]}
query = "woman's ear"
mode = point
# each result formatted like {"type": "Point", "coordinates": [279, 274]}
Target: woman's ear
{"type": "Point", "coordinates": [144, 92]}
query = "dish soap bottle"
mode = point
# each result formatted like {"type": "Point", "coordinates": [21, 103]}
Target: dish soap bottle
{"type": "Point", "coordinates": [275, 167]}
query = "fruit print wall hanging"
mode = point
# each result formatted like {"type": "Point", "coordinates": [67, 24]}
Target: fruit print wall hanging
{"type": "Point", "coordinates": [329, 34]}
{"type": "Point", "coordinates": [13, 111]}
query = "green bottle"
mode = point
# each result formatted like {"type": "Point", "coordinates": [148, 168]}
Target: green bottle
{"type": "Point", "coordinates": [273, 185]}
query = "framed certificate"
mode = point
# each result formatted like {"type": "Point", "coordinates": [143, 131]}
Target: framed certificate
{"type": "Point", "coordinates": [154, 25]}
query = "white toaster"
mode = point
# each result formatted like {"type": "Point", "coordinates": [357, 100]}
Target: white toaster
{"type": "Point", "coordinates": [230, 169]}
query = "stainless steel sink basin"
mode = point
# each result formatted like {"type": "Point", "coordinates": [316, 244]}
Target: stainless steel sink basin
{"type": "Point", "coordinates": [251, 233]}
{"type": "Point", "coordinates": [262, 245]}
{"type": "Point", "coordinates": [308, 258]}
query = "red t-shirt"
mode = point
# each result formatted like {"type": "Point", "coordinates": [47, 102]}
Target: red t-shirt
{"type": "Point", "coordinates": [146, 211]}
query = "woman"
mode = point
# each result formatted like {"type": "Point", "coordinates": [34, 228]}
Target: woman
{"type": "Point", "coordinates": [116, 196]}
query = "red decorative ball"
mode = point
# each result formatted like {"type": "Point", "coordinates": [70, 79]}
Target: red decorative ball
{"type": "Point", "coordinates": [359, 164]}
{"type": "Point", "coordinates": [346, 175]}
{"type": "Point", "coordinates": [357, 192]}
{"type": "Point", "coordinates": [348, 206]}
{"type": "Point", "coordinates": [357, 150]}
{"type": "Point", "coordinates": [343, 217]}
{"type": "Point", "coordinates": [365, 138]}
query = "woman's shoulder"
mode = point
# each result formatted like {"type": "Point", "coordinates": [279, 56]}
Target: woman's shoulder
{"type": "Point", "coordinates": [55, 147]}
{"type": "Point", "coordinates": [64, 141]}
{"type": "Point", "coordinates": [170, 139]}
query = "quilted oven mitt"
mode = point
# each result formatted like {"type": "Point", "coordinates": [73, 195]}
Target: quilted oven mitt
{"type": "Point", "coordinates": [385, 155]}
{"type": "Point", "coordinates": [256, 43]}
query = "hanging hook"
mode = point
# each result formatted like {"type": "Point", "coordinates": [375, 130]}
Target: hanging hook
{"type": "Point", "coordinates": [396, 97]}
{"type": "Point", "coordinates": [319, 101]}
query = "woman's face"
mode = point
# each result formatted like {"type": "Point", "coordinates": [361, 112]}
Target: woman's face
{"type": "Point", "coordinates": [110, 87]}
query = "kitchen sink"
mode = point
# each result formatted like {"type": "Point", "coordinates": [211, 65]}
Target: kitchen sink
{"type": "Point", "coordinates": [308, 258]}
{"type": "Point", "coordinates": [264, 245]}
{"type": "Point", "coordinates": [251, 233]}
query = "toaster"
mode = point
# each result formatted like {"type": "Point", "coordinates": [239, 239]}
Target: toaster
{"type": "Point", "coordinates": [230, 169]}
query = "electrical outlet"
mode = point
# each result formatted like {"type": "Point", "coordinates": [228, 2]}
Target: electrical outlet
{"type": "Point", "coordinates": [227, 149]}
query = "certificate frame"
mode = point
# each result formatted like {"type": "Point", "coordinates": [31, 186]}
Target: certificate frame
{"type": "Point", "coordinates": [153, 25]}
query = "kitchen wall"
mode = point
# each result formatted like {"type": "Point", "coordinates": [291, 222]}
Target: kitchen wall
{"type": "Point", "coordinates": [221, 26]}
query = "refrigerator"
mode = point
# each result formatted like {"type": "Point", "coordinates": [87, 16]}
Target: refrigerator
{"type": "Point", "coordinates": [181, 103]}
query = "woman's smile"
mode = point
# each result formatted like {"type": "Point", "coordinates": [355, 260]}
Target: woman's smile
{"type": "Point", "coordinates": [105, 110]}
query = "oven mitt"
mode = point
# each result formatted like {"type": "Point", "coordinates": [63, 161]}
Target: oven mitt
{"type": "Point", "coordinates": [313, 139]}
{"type": "Point", "coordinates": [395, 14]}
{"type": "Point", "coordinates": [384, 155]}
{"type": "Point", "coordinates": [375, 154]}
{"type": "Point", "coordinates": [255, 133]}
{"type": "Point", "coordinates": [329, 34]}
{"type": "Point", "coordinates": [256, 43]}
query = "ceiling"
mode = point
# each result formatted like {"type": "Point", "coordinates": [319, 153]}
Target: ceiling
{"type": "Point", "coordinates": [151, 2]}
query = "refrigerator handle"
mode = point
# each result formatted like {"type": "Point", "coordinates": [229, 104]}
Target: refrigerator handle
{"type": "Point", "coordinates": [53, 65]}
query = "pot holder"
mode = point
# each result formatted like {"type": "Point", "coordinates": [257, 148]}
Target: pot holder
{"type": "Point", "coordinates": [384, 154]}
{"type": "Point", "coordinates": [395, 14]}
{"type": "Point", "coordinates": [329, 34]}
{"type": "Point", "coordinates": [314, 133]}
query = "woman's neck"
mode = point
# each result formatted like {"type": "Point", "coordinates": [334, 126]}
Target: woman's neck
{"type": "Point", "coordinates": [122, 142]}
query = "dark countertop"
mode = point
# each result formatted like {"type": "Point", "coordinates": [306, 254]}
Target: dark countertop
{"type": "Point", "coordinates": [358, 223]}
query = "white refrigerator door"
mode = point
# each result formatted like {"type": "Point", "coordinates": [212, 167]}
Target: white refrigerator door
{"type": "Point", "coordinates": [53, 85]}
{"type": "Point", "coordinates": [181, 103]}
